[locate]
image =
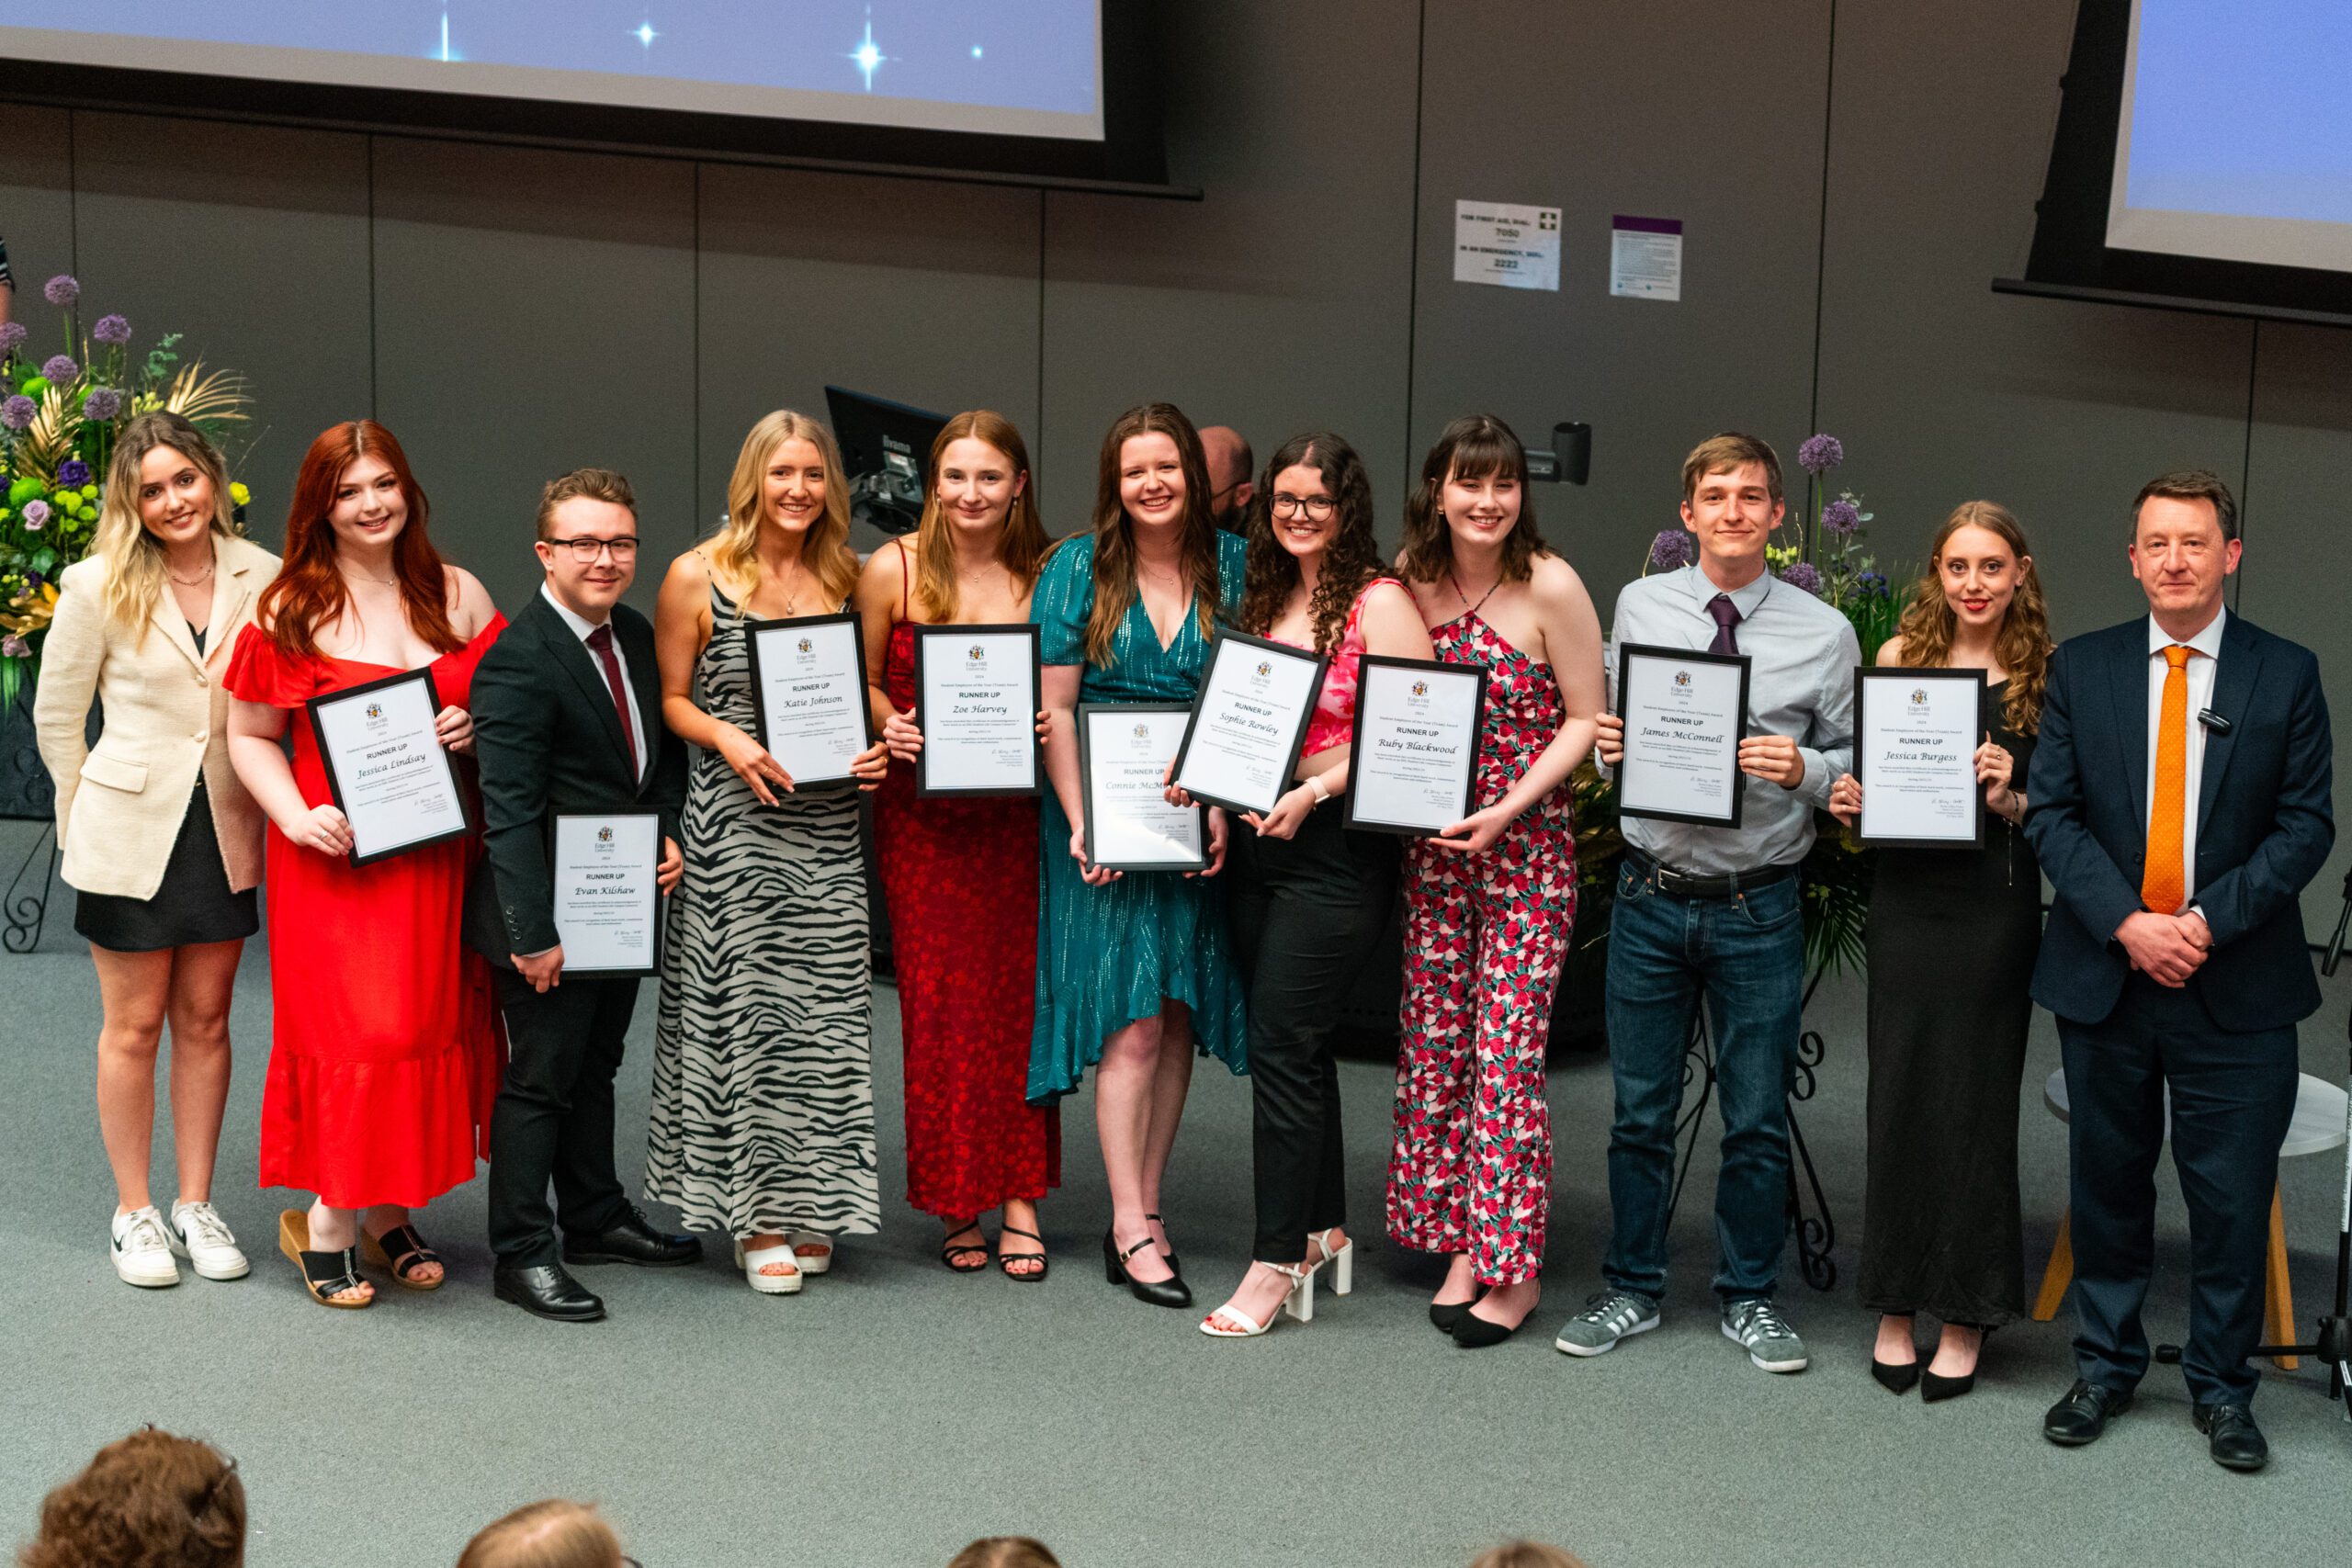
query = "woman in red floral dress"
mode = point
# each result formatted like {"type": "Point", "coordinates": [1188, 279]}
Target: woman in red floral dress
{"type": "Point", "coordinates": [960, 877]}
{"type": "Point", "coordinates": [1489, 902]}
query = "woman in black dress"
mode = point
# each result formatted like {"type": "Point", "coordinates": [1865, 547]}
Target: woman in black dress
{"type": "Point", "coordinates": [1939, 1222]}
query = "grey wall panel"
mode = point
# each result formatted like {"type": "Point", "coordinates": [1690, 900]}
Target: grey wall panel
{"type": "Point", "coordinates": [1655, 111]}
{"type": "Point", "coordinates": [2293, 583]}
{"type": "Point", "coordinates": [1943, 390]}
{"type": "Point", "coordinates": [253, 241]}
{"type": "Point", "coordinates": [922, 292]}
{"type": "Point", "coordinates": [533, 313]}
{"type": "Point", "coordinates": [36, 203]}
{"type": "Point", "coordinates": [1280, 302]}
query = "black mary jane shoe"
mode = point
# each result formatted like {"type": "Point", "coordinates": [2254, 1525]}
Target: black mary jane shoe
{"type": "Point", "coordinates": [1895, 1377]}
{"type": "Point", "coordinates": [1170, 1292]}
{"type": "Point", "coordinates": [1168, 1252]}
{"type": "Point", "coordinates": [632, 1241]}
{"type": "Point", "coordinates": [546, 1291]}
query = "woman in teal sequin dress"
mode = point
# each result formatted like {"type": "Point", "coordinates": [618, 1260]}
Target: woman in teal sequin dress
{"type": "Point", "coordinates": [1135, 970]}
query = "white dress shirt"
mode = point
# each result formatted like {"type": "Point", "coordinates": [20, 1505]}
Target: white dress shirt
{"type": "Point", "coordinates": [580, 628]}
{"type": "Point", "coordinates": [2203, 666]}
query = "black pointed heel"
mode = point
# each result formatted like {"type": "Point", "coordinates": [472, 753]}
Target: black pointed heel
{"type": "Point", "coordinates": [1933, 1388]}
{"type": "Point", "coordinates": [1895, 1377]}
{"type": "Point", "coordinates": [1157, 1292]}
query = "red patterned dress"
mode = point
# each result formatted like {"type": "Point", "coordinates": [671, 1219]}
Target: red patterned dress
{"type": "Point", "coordinates": [1485, 937]}
{"type": "Point", "coordinates": [960, 877]}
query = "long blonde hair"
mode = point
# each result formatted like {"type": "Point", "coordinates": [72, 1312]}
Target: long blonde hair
{"type": "Point", "coordinates": [1024, 543]}
{"type": "Point", "coordinates": [735, 548]}
{"type": "Point", "coordinates": [2022, 644]}
{"type": "Point", "coordinates": [133, 557]}
{"type": "Point", "coordinates": [1114, 539]}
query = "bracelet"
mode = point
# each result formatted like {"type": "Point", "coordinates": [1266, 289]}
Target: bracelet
{"type": "Point", "coordinates": [1315, 786]}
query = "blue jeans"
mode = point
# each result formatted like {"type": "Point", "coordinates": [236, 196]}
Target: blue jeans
{"type": "Point", "coordinates": [1746, 955]}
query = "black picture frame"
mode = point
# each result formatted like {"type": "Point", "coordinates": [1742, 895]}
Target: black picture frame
{"type": "Point", "coordinates": [923, 636]}
{"type": "Point", "coordinates": [752, 631]}
{"type": "Point", "coordinates": [1626, 654]}
{"type": "Point", "coordinates": [312, 710]}
{"type": "Point", "coordinates": [1223, 640]}
{"type": "Point", "coordinates": [659, 913]}
{"type": "Point", "coordinates": [1087, 714]}
{"type": "Point", "coordinates": [1868, 675]}
{"type": "Point", "coordinates": [1370, 662]}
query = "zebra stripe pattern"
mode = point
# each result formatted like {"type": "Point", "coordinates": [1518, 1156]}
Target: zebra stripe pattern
{"type": "Point", "coordinates": [762, 1055]}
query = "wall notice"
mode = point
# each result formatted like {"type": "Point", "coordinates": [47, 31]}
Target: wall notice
{"type": "Point", "coordinates": [1512, 247]}
{"type": "Point", "coordinates": [1646, 257]}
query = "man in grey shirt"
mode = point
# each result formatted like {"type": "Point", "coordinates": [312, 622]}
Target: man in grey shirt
{"type": "Point", "coordinates": [1714, 912]}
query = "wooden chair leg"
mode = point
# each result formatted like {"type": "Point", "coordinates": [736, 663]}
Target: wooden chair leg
{"type": "Point", "coordinates": [2058, 1274]}
{"type": "Point", "coordinates": [2278, 1292]}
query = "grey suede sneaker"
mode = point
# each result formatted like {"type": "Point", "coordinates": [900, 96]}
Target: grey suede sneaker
{"type": "Point", "coordinates": [1607, 1318]}
{"type": "Point", "coordinates": [1756, 1327]}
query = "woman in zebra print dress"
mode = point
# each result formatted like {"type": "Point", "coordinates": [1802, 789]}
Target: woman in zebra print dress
{"type": "Point", "coordinates": [762, 1085]}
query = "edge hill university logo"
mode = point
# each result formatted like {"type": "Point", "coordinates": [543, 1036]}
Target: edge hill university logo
{"type": "Point", "coordinates": [375, 710]}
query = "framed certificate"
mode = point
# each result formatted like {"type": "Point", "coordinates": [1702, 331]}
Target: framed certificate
{"type": "Point", "coordinates": [1916, 734]}
{"type": "Point", "coordinates": [388, 771]}
{"type": "Point", "coordinates": [1685, 713]}
{"type": "Point", "coordinates": [809, 690]}
{"type": "Point", "coordinates": [1123, 753]}
{"type": "Point", "coordinates": [608, 903]}
{"type": "Point", "coordinates": [1242, 741]}
{"type": "Point", "coordinates": [977, 698]}
{"type": "Point", "coordinates": [1413, 757]}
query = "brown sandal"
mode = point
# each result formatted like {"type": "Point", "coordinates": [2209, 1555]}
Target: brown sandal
{"type": "Point", "coordinates": [325, 1275]}
{"type": "Point", "coordinates": [400, 1251]}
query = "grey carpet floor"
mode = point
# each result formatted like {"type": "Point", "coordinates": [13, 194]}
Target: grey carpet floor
{"type": "Point", "coordinates": [893, 1411]}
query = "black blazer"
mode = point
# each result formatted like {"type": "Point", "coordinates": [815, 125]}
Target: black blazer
{"type": "Point", "coordinates": [549, 740]}
{"type": "Point", "coordinates": [2265, 823]}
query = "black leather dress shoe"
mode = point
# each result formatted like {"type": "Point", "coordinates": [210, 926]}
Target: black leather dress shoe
{"type": "Point", "coordinates": [633, 1241]}
{"type": "Point", "coordinates": [2083, 1414]}
{"type": "Point", "coordinates": [545, 1290]}
{"type": "Point", "coordinates": [2233, 1439]}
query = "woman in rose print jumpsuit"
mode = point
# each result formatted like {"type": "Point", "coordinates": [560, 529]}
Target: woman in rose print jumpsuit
{"type": "Point", "coordinates": [1489, 902]}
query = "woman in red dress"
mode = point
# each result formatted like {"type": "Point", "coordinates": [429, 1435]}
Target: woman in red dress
{"type": "Point", "coordinates": [386, 1051]}
{"type": "Point", "coordinates": [961, 875]}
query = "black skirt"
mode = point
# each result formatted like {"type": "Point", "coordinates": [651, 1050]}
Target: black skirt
{"type": "Point", "coordinates": [193, 905]}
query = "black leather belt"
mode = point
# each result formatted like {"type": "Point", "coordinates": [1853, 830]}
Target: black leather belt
{"type": "Point", "coordinates": [1690, 885]}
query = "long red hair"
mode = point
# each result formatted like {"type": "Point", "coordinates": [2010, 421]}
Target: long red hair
{"type": "Point", "coordinates": [308, 591]}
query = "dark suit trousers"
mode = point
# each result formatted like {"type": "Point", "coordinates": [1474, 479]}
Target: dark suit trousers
{"type": "Point", "coordinates": [2233, 1095]}
{"type": "Point", "coordinates": [553, 1121]}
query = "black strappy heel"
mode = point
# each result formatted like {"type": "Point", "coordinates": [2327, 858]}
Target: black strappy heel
{"type": "Point", "coordinates": [400, 1251]}
{"type": "Point", "coordinates": [1004, 1259]}
{"type": "Point", "coordinates": [949, 1251]}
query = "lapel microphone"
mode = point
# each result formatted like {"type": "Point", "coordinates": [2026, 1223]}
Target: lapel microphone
{"type": "Point", "coordinates": [2212, 721]}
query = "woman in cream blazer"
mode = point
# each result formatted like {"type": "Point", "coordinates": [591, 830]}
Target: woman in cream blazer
{"type": "Point", "coordinates": [161, 842]}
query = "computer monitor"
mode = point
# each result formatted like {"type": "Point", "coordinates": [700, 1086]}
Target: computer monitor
{"type": "Point", "coordinates": [885, 446]}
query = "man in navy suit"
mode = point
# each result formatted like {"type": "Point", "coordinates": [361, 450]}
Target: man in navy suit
{"type": "Point", "coordinates": [2180, 804]}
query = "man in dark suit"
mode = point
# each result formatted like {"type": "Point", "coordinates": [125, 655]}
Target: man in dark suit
{"type": "Point", "coordinates": [2179, 802]}
{"type": "Point", "coordinates": [567, 717]}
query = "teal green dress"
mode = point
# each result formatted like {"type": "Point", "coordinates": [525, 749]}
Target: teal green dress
{"type": "Point", "coordinates": [1107, 955]}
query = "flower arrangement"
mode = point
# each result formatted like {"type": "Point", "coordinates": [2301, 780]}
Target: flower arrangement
{"type": "Point", "coordinates": [59, 418]}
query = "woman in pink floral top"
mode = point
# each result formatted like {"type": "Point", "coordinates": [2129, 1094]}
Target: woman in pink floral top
{"type": "Point", "coordinates": [1489, 902]}
{"type": "Point", "coordinates": [1309, 897]}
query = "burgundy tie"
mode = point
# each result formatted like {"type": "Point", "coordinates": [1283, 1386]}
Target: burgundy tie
{"type": "Point", "coordinates": [1726, 614]}
{"type": "Point", "coordinates": [601, 639]}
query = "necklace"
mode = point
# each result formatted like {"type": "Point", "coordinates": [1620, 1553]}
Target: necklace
{"type": "Point", "coordinates": [196, 582]}
{"type": "Point", "coordinates": [378, 581]}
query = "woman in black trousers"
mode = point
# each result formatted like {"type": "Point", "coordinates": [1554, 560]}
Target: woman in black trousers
{"type": "Point", "coordinates": [1309, 897]}
{"type": "Point", "coordinates": [1941, 1231]}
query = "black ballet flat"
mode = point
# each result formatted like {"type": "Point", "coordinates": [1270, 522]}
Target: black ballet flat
{"type": "Point", "coordinates": [1895, 1377]}
{"type": "Point", "coordinates": [1474, 1333]}
{"type": "Point", "coordinates": [1444, 1315]}
{"type": "Point", "coordinates": [1172, 1292]}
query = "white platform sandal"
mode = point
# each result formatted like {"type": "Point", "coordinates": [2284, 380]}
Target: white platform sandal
{"type": "Point", "coordinates": [1342, 1262]}
{"type": "Point", "coordinates": [754, 1259]}
{"type": "Point", "coordinates": [810, 1263]}
{"type": "Point", "coordinates": [1299, 1304]}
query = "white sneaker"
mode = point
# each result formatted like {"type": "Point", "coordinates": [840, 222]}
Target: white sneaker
{"type": "Point", "coordinates": [202, 1236]}
{"type": "Point", "coordinates": [142, 1249]}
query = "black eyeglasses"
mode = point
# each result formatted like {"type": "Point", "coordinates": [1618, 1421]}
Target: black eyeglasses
{"type": "Point", "coordinates": [585, 551]}
{"type": "Point", "coordinates": [1317, 507]}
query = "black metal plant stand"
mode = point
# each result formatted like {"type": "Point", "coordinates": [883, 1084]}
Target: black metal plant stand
{"type": "Point", "coordinates": [1816, 1232]}
{"type": "Point", "coordinates": [25, 796]}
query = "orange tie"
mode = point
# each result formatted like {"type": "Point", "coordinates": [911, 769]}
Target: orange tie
{"type": "Point", "coordinates": [2163, 886]}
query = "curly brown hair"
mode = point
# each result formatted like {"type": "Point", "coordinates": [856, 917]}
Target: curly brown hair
{"type": "Point", "coordinates": [150, 1500]}
{"type": "Point", "coordinates": [2022, 644]}
{"type": "Point", "coordinates": [1471, 447]}
{"type": "Point", "coordinates": [1349, 562]}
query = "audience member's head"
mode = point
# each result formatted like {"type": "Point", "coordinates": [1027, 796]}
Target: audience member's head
{"type": "Point", "coordinates": [553, 1534]}
{"type": "Point", "coordinates": [1526, 1555]}
{"type": "Point", "coordinates": [1231, 463]}
{"type": "Point", "coordinates": [1005, 1551]}
{"type": "Point", "coordinates": [151, 1499]}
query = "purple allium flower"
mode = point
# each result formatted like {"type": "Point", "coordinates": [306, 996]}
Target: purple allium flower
{"type": "Point", "coordinates": [1872, 582]}
{"type": "Point", "coordinates": [113, 330]}
{"type": "Point", "coordinates": [1820, 454]}
{"type": "Point", "coordinates": [12, 337]}
{"type": "Point", "coordinates": [73, 473]}
{"type": "Point", "coordinates": [61, 290]}
{"type": "Point", "coordinates": [36, 515]}
{"type": "Point", "coordinates": [18, 412]}
{"type": "Point", "coordinates": [1840, 516]}
{"type": "Point", "coordinates": [59, 368]}
{"type": "Point", "coordinates": [14, 647]}
{"type": "Point", "coordinates": [103, 404]}
{"type": "Point", "coordinates": [1670, 549]}
{"type": "Point", "coordinates": [1802, 574]}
